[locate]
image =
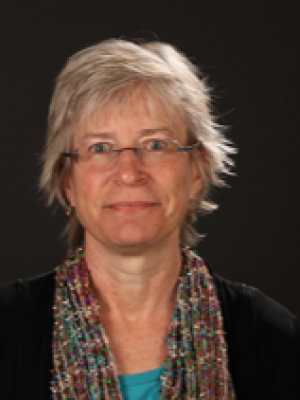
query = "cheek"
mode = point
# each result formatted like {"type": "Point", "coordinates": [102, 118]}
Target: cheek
{"type": "Point", "coordinates": [85, 187]}
{"type": "Point", "coordinates": [179, 183]}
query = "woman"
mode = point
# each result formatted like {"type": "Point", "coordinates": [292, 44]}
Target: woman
{"type": "Point", "coordinates": [132, 152]}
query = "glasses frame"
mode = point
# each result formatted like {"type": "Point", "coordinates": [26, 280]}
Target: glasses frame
{"type": "Point", "coordinates": [75, 154]}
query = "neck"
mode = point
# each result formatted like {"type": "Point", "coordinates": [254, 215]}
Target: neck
{"type": "Point", "coordinates": [135, 287]}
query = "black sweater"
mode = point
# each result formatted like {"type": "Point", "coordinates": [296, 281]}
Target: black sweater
{"type": "Point", "coordinates": [263, 341]}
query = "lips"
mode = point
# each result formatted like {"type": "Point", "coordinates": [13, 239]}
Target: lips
{"type": "Point", "coordinates": [131, 206]}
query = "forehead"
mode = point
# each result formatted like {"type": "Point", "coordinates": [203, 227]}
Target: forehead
{"type": "Point", "coordinates": [132, 111]}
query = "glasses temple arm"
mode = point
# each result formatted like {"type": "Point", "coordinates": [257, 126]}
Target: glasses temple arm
{"type": "Point", "coordinates": [187, 148]}
{"type": "Point", "coordinates": [75, 154]}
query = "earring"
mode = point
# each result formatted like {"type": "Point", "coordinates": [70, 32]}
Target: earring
{"type": "Point", "coordinates": [71, 213]}
{"type": "Point", "coordinates": [195, 206]}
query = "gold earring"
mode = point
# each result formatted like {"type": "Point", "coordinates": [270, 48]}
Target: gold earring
{"type": "Point", "coordinates": [195, 206]}
{"type": "Point", "coordinates": [71, 213]}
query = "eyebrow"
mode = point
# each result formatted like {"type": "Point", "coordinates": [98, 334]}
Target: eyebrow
{"type": "Point", "coordinates": [148, 132]}
{"type": "Point", "coordinates": [143, 133]}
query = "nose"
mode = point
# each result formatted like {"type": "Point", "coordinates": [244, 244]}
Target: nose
{"type": "Point", "coordinates": [129, 169]}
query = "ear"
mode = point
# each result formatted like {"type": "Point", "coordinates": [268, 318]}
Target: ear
{"type": "Point", "coordinates": [68, 188]}
{"type": "Point", "coordinates": [198, 166]}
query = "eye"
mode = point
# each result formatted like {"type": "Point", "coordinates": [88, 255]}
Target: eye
{"type": "Point", "coordinates": [100, 148]}
{"type": "Point", "coordinates": [156, 145]}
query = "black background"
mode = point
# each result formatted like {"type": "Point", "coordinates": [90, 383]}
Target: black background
{"type": "Point", "coordinates": [250, 51]}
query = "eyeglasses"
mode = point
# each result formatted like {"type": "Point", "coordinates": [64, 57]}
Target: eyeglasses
{"type": "Point", "coordinates": [151, 151]}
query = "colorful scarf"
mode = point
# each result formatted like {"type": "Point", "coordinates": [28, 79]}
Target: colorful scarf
{"type": "Point", "coordinates": [84, 368]}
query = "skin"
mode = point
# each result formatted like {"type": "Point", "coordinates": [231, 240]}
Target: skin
{"type": "Point", "coordinates": [132, 215]}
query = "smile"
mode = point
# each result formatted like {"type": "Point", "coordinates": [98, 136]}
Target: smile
{"type": "Point", "coordinates": [131, 206]}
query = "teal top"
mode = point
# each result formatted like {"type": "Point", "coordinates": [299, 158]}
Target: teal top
{"type": "Point", "coordinates": [144, 386]}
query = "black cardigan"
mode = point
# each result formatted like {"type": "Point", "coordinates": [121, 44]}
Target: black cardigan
{"type": "Point", "coordinates": [263, 341]}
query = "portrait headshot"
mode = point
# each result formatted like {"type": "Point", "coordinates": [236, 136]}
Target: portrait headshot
{"type": "Point", "coordinates": [164, 265]}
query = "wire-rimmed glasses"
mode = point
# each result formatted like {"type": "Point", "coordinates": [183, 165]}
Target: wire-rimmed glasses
{"type": "Point", "coordinates": [103, 153]}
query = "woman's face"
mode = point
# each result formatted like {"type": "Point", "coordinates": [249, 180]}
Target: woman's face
{"type": "Point", "coordinates": [132, 205]}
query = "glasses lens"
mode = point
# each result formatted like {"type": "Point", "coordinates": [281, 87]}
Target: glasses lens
{"type": "Point", "coordinates": [98, 155]}
{"type": "Point", "coordinates": [159, 150]}
{"type": "Point", "coordinates": [104, 161]}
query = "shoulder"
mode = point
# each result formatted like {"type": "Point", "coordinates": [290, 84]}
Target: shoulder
{"type": "Point", "coordinates": [25, 336]}
{"type": "Point", "coordinates": [263, 341]}
{"type": "Point", "coordinates": [25, 311]}
{"type": "Point", "coordinates": [245, 302]}
{"type": "Point", "coordinates": [20, 287]}
{"type": "Point", "coordinates": [23, 293]}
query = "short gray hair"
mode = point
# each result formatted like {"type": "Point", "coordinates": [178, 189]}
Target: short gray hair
{"type": "Point", "coordinates": [97, 75]}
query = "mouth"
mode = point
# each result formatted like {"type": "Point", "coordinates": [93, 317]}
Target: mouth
{"type": "Point", "coordinates": [131, 206]}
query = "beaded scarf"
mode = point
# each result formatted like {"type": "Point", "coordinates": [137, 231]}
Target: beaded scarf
{"type": "Point", "coordinates": [197, 363]}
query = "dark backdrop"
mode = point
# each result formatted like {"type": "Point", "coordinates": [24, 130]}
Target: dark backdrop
{"type": "Point", "coordinates": [250, 51]}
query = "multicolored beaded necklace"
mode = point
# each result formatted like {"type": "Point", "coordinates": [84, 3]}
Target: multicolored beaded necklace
{"type": "Point", "coordinates": [84, 367]}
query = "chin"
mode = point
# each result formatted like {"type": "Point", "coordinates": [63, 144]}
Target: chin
{"type": "Point", "coordinates": [129, 237]}
{"type": "Point", "coordinates": [134, 235]}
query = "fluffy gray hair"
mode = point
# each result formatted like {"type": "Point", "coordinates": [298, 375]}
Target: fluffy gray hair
{"type": "Point", "coordinates": [96, 76]}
